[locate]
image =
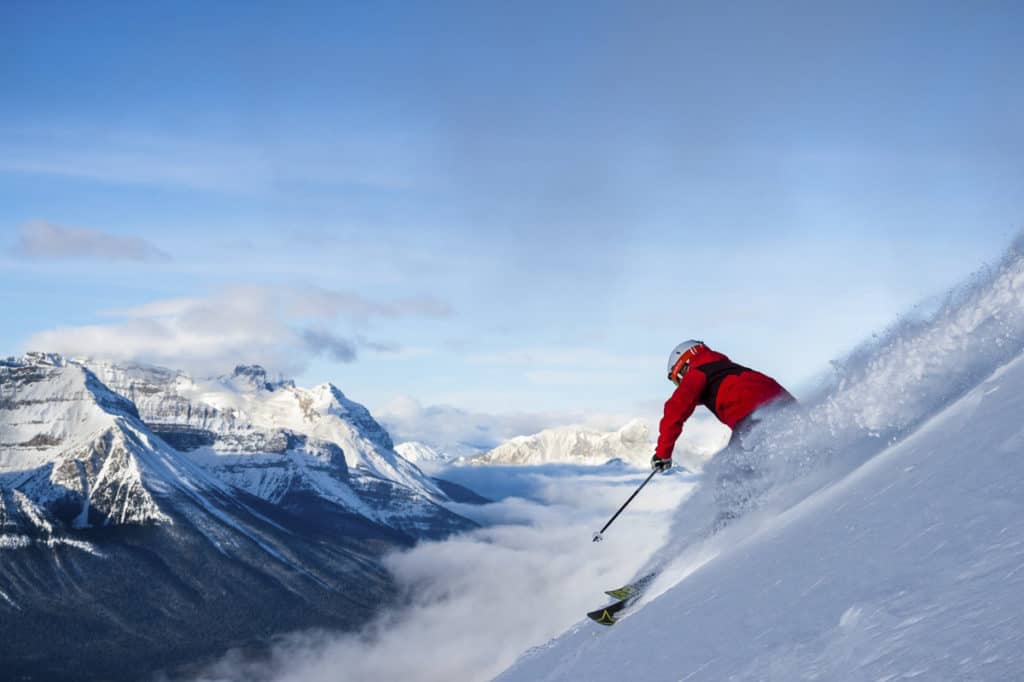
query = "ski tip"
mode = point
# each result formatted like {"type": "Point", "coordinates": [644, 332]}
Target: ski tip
{"type": "Point", "coordinates": [606, 614]}
{"type": "Point", "coordinates": [602, 617]}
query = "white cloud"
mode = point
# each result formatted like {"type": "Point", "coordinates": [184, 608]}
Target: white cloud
{"type": "Point", "coordinates": [45, 241]}
{"type": "Point", "coordinates": [280, 328]}
{"type": "Point", "coordinates": [477, 601]}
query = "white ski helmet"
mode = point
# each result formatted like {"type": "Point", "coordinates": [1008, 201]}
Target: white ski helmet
{"type": "Point", "coordinates": [676, 354]}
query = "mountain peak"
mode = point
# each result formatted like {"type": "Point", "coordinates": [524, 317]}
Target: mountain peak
{"type": "Point", "coordinates": [255, 374]}
{"type": "Point", "coordinates": [41, 358]}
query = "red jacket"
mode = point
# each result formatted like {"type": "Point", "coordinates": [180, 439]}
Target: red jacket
{"type": "Point", "coordinates": [732, 392]}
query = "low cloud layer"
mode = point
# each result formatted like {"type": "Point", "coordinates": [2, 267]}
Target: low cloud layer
{"type": "Point", "coordinates": [42, 240]}
{"type": "Point", "coordinates": [280, 328]}
{"type": "Point", "coordinates": [479, 600]}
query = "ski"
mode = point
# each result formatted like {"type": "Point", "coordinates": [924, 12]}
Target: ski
{"type": "Point", "coordinates": [606, 615]}
{"type": "Point", "coordinates": [623, 593]}
{"type": "Point", "coordinates": [626, 596]}
{"type": "Point", "coordinates": [633, 589]}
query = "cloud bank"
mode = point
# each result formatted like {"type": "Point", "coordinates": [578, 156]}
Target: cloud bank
{"type": "Point", "coordinates": [42, 240]}
{"type": "Point", "coordinates": [477, 601]}
{"type": "Point", "coordinates": [281, 328]}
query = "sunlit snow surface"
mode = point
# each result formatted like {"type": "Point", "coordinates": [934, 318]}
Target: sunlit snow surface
{"type": "Point", "coordinates": [891, 540]}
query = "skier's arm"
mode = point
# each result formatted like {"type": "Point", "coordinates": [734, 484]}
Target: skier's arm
{"type": "Point", "coordinates": [678, 408]}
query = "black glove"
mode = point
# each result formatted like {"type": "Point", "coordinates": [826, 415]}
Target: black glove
{"type": "Point", "coordinates": [661, 465]}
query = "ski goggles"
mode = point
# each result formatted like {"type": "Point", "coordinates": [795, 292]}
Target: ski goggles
{"type": "Point", "coordinates": [678, 371]}
{"type": "Point", "coordinates": [675, 375]}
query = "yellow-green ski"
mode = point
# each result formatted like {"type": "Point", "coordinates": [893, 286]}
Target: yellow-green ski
{"type": "Point", "coordinates": [633, 589]}
{"type": "Point", "coordinates": [626, 595]}
{"type": "Point", "coordinates": [623, 593]}
{"type": "Point", "coordinates": [606, 615]}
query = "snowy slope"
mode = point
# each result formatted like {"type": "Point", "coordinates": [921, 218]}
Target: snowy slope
{"type": "Point", "coordinates": [72, 450]}
{"type": "Point", "coordinates": [424, 456]}
{"type": "Point", "coordinates": [421, 453]}
{"type": "Point", "coordinates": [912, 566]}
{"type": "Point", "coordinates": [889, 543]}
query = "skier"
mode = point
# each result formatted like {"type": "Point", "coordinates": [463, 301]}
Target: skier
{"type": "Point", "coordinates": [738, 396]}
{"type": "Point", "coordinates": [741, 398]}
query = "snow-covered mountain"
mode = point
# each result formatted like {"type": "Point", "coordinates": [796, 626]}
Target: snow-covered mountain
{"type": "Point", "coordinates": [72, 449]}
{"type": "Point", "coordinates": [631, 444]}
{"type": "Point", "coordinates": [272, 510]}
{"type": "Point", "coordinates": [424, 456]}
{"type": "Point", "coordinates": [575, 445]}
{"type": "Point", "coordinates": [888, 542]}
{"type": "Point", "coordinates": [283, 443]}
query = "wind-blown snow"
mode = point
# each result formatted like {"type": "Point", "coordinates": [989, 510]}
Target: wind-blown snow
{"type": "Point", "coordinates": [889, 543]}
{"type": "Point", "coordinates": [912, 566]}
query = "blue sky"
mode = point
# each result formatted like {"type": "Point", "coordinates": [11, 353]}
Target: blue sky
{"type": "Point", "coordinates": [513, 208]}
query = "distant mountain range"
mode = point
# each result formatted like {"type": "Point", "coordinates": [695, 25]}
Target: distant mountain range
{"type": "Point", "coordinates": [630, 444]}
{"type": "Point", "coordinates": [575, 445]}
{"type": "Point", "coordinates": [148, 518]}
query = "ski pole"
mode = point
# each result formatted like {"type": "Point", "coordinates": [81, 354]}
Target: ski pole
{"type": "Point", "coordinates": [599, 535]}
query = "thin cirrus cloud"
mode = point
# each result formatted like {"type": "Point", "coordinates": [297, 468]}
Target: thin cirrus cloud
{"type": "Point", "coordinates": [279, 328]}
{"type": "Point", "coordinates": [154, 160]}
{"type": "Point", "coordinates": [42, 240]}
